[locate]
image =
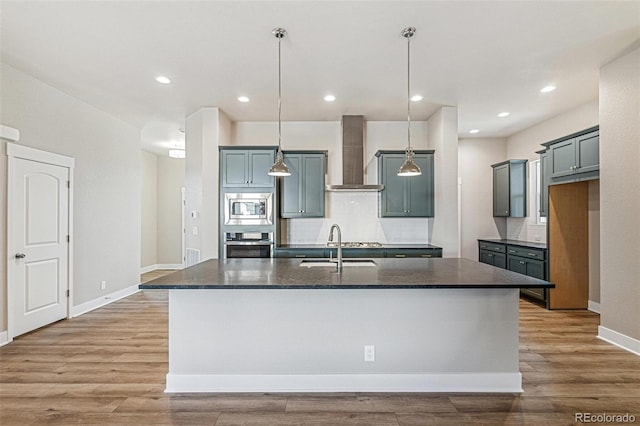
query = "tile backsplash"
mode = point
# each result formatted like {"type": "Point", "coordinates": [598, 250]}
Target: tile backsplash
{"type": "Point", "coordinates": [357, 215]}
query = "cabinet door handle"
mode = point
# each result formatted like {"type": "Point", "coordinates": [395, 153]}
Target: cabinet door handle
{"type": "Point", "coordinates": [512, 251]}
{"type": "Point", "coordinates": [483, 246]}
{"type": "Point", "coordinates": [401, 255]}
{"type": "Point", "coordinates": [490, 255]}
{"type": "Point", "coordinates": [496, 248]}
{"type": "Point", "coordinates": [522, 262]}
{"type": "Point", "coordinates": [425, 255]}
{"type": "Point", "coordinates": [531, 254]}
{"type": "Point", "coordinates": [301, 255]}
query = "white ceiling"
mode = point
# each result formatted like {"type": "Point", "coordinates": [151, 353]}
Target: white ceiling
{"type": "Point", "coordinates": [482, 56]}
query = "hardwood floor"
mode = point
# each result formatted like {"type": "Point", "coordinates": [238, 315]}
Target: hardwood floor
{"type": "Point", "coordinates": [108, 367]}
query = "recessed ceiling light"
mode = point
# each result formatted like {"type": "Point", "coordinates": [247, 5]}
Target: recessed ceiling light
{"type": "Point", "coordinates": [416, 98]}
{"type": "Point", "coordinates": [548, 89]}
{"type": "Point", "coordinates": [503, 114]}
{"type": "Point", "coordinates": [329, 98]}
{"type": "Point", "coordinates": [243, 99]}
{"type": "Point", "coordinates": [474, 131]}
{"type": "Point", "coordinates": [163, 80]}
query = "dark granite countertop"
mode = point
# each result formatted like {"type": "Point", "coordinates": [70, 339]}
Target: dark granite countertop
{"type": "Point", "coordinates": [515, 242]}
{"type": "Point", "coordinates": [275, 273]}
{"type": "Point", "coordinates": [384, 246]}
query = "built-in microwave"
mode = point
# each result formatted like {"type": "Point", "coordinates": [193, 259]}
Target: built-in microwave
{"type": "Point", "coordinates": [248, 208]}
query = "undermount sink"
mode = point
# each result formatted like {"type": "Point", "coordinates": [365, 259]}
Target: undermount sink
{"type": "Point", "coordinates": [309, 263]}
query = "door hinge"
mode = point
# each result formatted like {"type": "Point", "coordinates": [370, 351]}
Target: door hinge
{"type": "Point", "coordinates": [68, 239]}
{"type": "Point", "coordinates": [68, 293]}
{"type": "Point", "coordinates": [69, 184]}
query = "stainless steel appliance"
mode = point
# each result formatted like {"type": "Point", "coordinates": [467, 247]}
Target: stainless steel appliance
{"type": "Point", "coordinates": [248, 244]}
{"type": "Point", "coordinates": [247, 208]}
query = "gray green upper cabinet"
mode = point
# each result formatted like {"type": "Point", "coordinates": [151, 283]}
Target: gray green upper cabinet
{"type": "Point", "coordinates": [246, 168]}
{"type": "Point", "coordinates": [574, 154]}
{"type": "Point", "coordinates": [544, 182]}
{"type": "Point", "coordinates": [510, 188]}
{"type": "Point", "coordinates": [405, 196]}
{"type": "Point", "coordinates": [302, 193]}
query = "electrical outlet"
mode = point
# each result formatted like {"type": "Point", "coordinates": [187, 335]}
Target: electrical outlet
{"type": "Point", "coordinates": [103, 285]}
{"type": "Point", "coordinates": [369, 353]}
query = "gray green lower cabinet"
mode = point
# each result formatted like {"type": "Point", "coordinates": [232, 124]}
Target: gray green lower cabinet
{"type": "Point", "coordinates": [300, 252]}
{"type": "Point", "coordinates": [492, 254]}
{"type": "Point", "coordinates": [405, 196]}
{"type": "Point", "coordinates": [302, 193]}
{"type": "Point", "coordinates": [424, 253]}
{"type": "Point", "coordinates": [525, 260]}
{"type": "Point", "coordinates": [319, 252]}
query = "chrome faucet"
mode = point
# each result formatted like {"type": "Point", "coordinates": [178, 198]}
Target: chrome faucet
{"type": "Point", "coordinates": [335, 226]}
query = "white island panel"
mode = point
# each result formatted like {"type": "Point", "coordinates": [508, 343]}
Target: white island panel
{"type": "Point", "coordinates": [312, 340]}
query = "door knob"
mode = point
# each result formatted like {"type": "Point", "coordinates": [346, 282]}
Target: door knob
{"type": "Point", "coordinates": [20, 255]}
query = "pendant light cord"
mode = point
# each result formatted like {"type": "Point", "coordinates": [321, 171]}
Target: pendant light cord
{"type": "Point", "coordinates": [279, 96]}
{"type": "Point", "coordinates": [409, 92]}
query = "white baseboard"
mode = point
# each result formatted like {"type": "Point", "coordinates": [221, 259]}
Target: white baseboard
{"type": "Point", "coordinates": [103, 300]}
{"type": "Point", "coordinates": [4, 338]}
{"type": "Point", "coordinates": [456, 382]}
{"type": "Point", "coordinates": [160, 266]}
{"type": "Point", "coordinates": [622, 341]}
{"type": "Point", "coordinates": [594, 306]}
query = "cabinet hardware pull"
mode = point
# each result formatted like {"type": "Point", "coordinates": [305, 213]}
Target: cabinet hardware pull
{"type": "Point", "coordinates": [490, 255]}
{"type": "Point", "coordinates": [401, 255]}
{"type": "Point", "coordinates": [301, 255]}
{"type": "Point", "coordinates": [512, 251]}
{"type": "Point", "coordinates": [522, 262]}
{"type": "Point", "coordinates": [425, 255]}
{"type": "Point", "coordinates": [532, 254]}
{"type": "Point", "coordinates": [481, 246]}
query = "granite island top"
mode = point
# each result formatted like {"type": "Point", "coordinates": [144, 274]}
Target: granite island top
{"type": "Point", "coordinates": [277, 273]}
{"type": "Point", "coordinates": [521, 243]}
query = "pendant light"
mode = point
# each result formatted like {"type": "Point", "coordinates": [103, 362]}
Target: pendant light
{"type": "Point", "coordinates": [409, 168]}
{"type": "Point", "coordinates": [279, 168]}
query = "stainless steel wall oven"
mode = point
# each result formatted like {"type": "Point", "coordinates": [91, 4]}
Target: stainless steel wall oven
{"type": "Point", "coordinates": [248, 244]}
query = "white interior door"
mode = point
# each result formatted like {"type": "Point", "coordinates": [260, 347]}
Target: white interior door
{"type": "Point", "coordinates": [38, 206]}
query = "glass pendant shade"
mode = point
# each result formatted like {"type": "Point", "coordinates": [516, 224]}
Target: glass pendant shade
{"type": "Point", "coordinates": [409, 168]}
{"type": "Point", "coordinates": [279, 168]}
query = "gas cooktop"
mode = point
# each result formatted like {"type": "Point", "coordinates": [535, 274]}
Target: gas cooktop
{"type": "Point", "coordinates": [355, 244]}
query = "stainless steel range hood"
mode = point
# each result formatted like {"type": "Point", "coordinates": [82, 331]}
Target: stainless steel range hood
{"type": "Point", "coordinates": [353, 157]}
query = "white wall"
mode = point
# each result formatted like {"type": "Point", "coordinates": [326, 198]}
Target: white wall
{"type": "Point", "coordinates": [207, 129]}
{"type": "Point", "coordinates": [149, 208]}
{"type": "Point", "coordinates": [3, 232]}
{"type": "Point", "coordinates": [620, 197]}
{"type": "Point", "coordinates": [162, 183]}
{"type": "Point", "coordinates": [443, 137]}
{"type": "Point", "coordinates": [475, 156]}
{"type": "Point", "coordinates": [170, 182]}
{"type": "Point", "coordinates": [107, 178]}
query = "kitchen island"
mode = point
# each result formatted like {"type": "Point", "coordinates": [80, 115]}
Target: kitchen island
{"type": "Point", "coordinates": [271, 325]}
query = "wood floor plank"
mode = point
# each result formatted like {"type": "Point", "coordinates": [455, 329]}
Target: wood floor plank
{"type": "Point", "coordinates": [108, 367]}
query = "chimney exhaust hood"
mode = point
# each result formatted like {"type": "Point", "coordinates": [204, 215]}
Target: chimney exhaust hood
{"type": "Point", "coordinates": [353, 157]}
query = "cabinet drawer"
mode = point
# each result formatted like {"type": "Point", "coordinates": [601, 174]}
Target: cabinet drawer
{"type": "Point", "coordinates": [500, 248]}
{"type": "Point", "coordinates": [423, 253]}
{"type": "Point", "coordinates": [529, 253]}
{"type": "Point", "coordinates": [300, 253]}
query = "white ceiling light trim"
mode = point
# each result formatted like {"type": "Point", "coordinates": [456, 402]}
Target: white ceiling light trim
{"type": "Point", "coordinates": [504, 114]}
{"type": "Point", "coordinates": [329, 98]}
{"type": "Point", "coordinates": [474, 131]}
{"type": "Point", "coordinates": [163, 79]}
{"type": "Point", "coordinates": [548, 89]}
{"type": "Point", "coordinates": [177, 153]}
{"type": "Point", "coordinates": [416, 98]}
